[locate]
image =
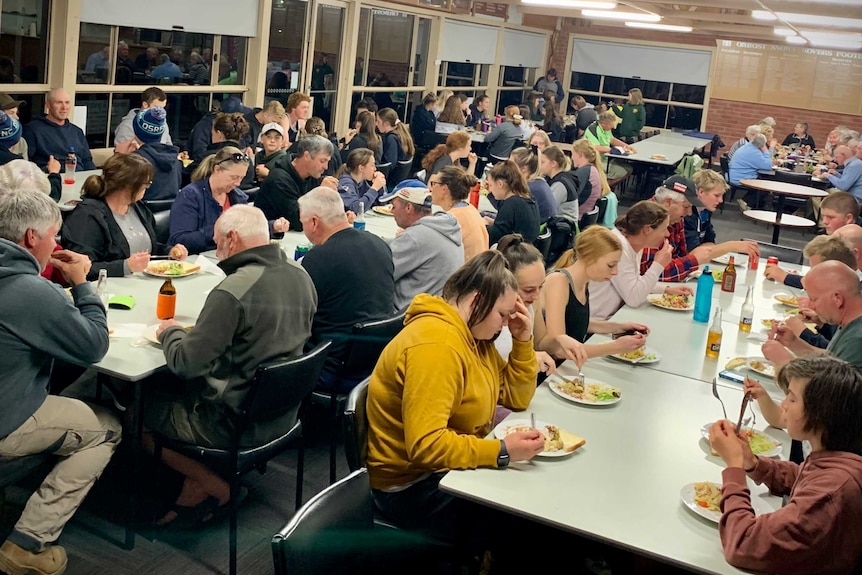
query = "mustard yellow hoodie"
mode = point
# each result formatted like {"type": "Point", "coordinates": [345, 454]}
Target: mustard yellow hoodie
{"type": "Point", "coordinates": [432, 396]}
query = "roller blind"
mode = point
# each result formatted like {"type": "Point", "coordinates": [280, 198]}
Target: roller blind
{"type": "Point", "coordinates": [523, 49]}
{"type": "Point", "coordinates": [210, 17]}
{"type": "Point", "coordinates": [650, 62]}
{"type": "Point", "coordinates": [472, 43]}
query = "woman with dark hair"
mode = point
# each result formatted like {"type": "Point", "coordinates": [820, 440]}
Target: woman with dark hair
{"type": "Point", "coordinates": [228, 130]}
{"type": "Point", "coordinates": [553, 123]}
{"type": "Point", "coordinates": [643, 225]}
{"type": "Point", "coordinates": [398, 147]}
{"type": "Point", "coordinates": [528, 163]}
{"type": "Point", "coordinates": [458, 146]}
{"type": "Point", "coordinates": [450, 188]}
{"type": "Point", "coordinates": [214, 188]}
{"type": "Point", "coordinates": [112, 226]}
{"type": "Point", "coordinates": [451, 118]}
{"type": "Point", "coordinates": [517, 211]}
{"type": "Point", "coordinates": [359, 181]}
{"type": "Point", "coordinates": [365, 136]}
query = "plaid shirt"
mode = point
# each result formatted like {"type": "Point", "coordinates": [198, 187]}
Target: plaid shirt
{"type": "Point", "coordinates": [682, 263]}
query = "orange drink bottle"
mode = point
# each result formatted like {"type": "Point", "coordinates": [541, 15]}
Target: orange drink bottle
{"type": "Point", "coordinates": [166, 301]}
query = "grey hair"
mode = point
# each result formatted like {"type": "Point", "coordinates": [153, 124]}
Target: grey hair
{"type": "Point", "coordinates": [164, 58]}
{"type": "Point", "coordinates": [247, 221]}
{"type": "Point", "coordinates": [768, 120]}
{"type": "Point", "coordinates": [325, 203]}
{"type": "Point", "coordinates": [19, 174]}
{"type": "Point", "coordinates": [848, 135]}
{"type": "Point", "coordinates": [662, 193]}
{"type": "Point", "coordinates": [26, 208]}
{"type": "Point", "coordinates": [195, 58]}
{"type": "Point", "coordinates": [752, 130]}
{"type": "Point", "coordinates": [759, 141]}
{"type": "Point", "coordinates": [314, 145]}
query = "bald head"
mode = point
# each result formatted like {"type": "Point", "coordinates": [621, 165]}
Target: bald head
{"type": "Point", "coordinates": [832, 277]}
{"type": "Point", "coordinates": [842, 154]}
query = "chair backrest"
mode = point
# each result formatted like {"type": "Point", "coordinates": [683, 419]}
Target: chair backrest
{"type": "Point", "coordinates": [157, 206]}
{"type": "Point", "coordinates": [367, 342]}
{"type": "Point", "coordinates": [563, 232]}
{"type": "Point", "coordinates": [400, 172]}
{"type": "Point", "coordinates": [543, 242]}
{"type": "Point", "coordinates": [163, 226]}
{"type": "Point", "coordinates": [331, 533]}
{"type": "Point", "coordinates": [281, 385]}
{"type": "Point", "coordinates": [725, 166]}
{"type": "Point", "coordinates": [384, 168]}
{"type": "Point", "coordinates": [356, 426]}
{"type": "Point", "coordinates": [252, 193]}
{"type": "Point", "coordinates": [602, 204]}
{"type": "Point", "coordinates": [589, 219]}
{"type": "Point", "coordinates": [787, 255]}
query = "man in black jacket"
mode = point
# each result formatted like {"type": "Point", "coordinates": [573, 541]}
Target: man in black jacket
{"type": "Point", "coordinates": [424, 121]}
{"type": "Point", "coordinates": [297, 173]}
{"type": "Point", "coordinates": [53, 135]}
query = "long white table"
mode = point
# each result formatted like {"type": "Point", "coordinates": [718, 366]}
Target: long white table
{"type": "Point", "coordinates": [623, 486]}
{"type": "Point", "coordinates": [72, 192]}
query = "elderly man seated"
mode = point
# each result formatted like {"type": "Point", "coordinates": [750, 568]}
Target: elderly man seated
{"type": "Point", "coordinates": [42, 323]}
{"type": "Point", "coordinates": [750, 132]}
{"type": "Point", "coordinates": [352, 271]}
{"type": "Point", "coordinates": [430, 248]}
{"type": "Point", "coordinates": [835, 296]}
{"type": "Point", "coordinates": [261, 311]}
{"type": "Point", "coordinates": [850, 178]}
{"type": "Point", "coordinates": [300, 171]}
{"type": "Point", "coordinates": [747, 162]}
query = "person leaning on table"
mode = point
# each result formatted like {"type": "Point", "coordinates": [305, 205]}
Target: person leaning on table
{"type": "Point", "coordinates": [112, 226]}
{"type": "Point", "coordinates": [53, 326]}
{"type": "Point", "coordinates": [432, 397]}
{"type": "Point", "coordinates": [817, 530]}
{"type": "Point", "coordinates": [261, 310]}
{"type": "Point", "coordinates": [600, 133]}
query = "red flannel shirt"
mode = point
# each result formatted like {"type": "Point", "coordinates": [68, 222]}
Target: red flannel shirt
{"type": "Point", "coordinates": [682, 263]}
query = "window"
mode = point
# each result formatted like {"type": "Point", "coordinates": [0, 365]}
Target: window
{"type": "Point", "coordinates": [515, 84]}
{"type": "Point", "coordinates": [587, 82]}
{"type": "Point", "coordinates": [463, 74]}
{"type": "Point", "coordinates": [23, 41]}
{"type": "Point", "coordinates": [286, 33]}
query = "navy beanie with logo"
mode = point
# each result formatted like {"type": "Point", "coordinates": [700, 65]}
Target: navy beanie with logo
{"type": "Point", "coordinates": [149, 125]}
{"type": "Point", "coordinates": [10, 130]}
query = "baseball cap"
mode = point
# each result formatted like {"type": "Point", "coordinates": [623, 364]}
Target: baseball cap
{"type": "Point", "coordinates": [271, 126]}
{"type": "Point", "coordinates": [413, 191]}
{"type": "Point", "coordinates": [683, 186]}
{"type": "Point", "coordinates": [7, 101]}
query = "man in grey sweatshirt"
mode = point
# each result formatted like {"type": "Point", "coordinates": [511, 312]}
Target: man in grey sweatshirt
{"type": "Point", "coordinates": [429, 250]}
{"type": "Point", "coordinates": [40, 322]}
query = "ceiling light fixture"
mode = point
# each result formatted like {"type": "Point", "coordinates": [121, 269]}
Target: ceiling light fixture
{"type": "Point", "coordinates": [763, 15]}
{"type": "Point", "coordinates": [823, 43]}
{"type": "Point", "coordinates": [798, 40]}
{"type": "Point", "coordinates": [577, 4]}
{"type": "Point", "coordinates": [654, 26]}
{"type": "Point", "coordinates": [613, 15]}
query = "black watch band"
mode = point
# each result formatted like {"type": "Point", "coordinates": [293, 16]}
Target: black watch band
{"type": "Point", "coordinates": [503, 457]}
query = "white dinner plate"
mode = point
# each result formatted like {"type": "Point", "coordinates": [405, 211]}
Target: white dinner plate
{"type": "Point", "coordinates": [502, 430]}
{"type": "Point", "coordinates": [774, 452]}
{"type": "Point", "coordinates": [650, 356]}
{"type": "Point", "coordinates": [556, 379]}
{"type": "Point", "coordinates": [768, 370]}
{"type": "Point", "coordinates": [382, 210]}
{"type": "Point", "coordinates": [738, 259]}
{"type": "Point", "coordinates": [785, 299]}
{"type": "Point", "coordinates": [686, 494]}
{"type": "Point", "coordinates": [150, 333]}
{"type": "Point", "coordinates": [188, 269]}
{"type": "Point", "coordinates": [656, 300]}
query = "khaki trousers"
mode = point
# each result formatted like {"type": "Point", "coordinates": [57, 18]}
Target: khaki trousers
{"type": "Point", "coordinates": [85, 437]}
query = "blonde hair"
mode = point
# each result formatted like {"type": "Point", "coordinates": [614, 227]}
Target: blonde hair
{"type": "Point", "coordinates": [222, 156]}
{"type": "Point", "coordinates": [541, 134]}
{"type": "Point", "coordinates": [275, 109]}
{"type": "Point", "coordinates": [636, 97]}
{"type": "Point", "coordinates": [525, 158]}
{"type": "Point", "coordinates": [588, 150]}
{"type": "Point", "coordinates": [707, 180]}
{"type": "Point", "coordinates": [593, 243]}
{"type": "Point", "coordinates": [511, 112]}
{"type": "Point", "coordinates": [832, 247]}
{"type": "Point", "coordinates": [315, 126]}
{"type": "Point", "coordinates": [452, 113]}
{"type": "Point", "coordinates": [556, 155]}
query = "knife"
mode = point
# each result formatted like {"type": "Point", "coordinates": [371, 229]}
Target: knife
{"type": "Point", "coordinates": [745, 399]}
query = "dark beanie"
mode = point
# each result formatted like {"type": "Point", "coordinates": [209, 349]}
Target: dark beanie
{"type": "Point", "coordinates": [150, 125]}
{"type": "Point", "coordinates": [10, 130]}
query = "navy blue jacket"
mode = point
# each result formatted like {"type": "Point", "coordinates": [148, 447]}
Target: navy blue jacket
{"type": "Point", "coordinates": [45, 138]}
{"type": "Point", "coordinates": [167, 178]}
{"type": "Point", "coordinates": [423, 122]}
{"type": "Point", "coordinates": [352, 193]}
{"type": "Point", "coordinates": [194, 214]}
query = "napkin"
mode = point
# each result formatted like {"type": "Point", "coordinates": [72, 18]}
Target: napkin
{"type": "Point", "coordinates": [207, 266]}
{"type": "Point", "coordinates": [127, 329]}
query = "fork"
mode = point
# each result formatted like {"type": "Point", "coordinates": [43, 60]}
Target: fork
{"type": "Point", "coordinates": [715, 393]}
{"type": "Point", "coordinates": [581, 378]}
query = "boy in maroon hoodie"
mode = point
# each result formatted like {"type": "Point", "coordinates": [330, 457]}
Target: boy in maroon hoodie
{"type": "Point", "coordinates": [817, 531]}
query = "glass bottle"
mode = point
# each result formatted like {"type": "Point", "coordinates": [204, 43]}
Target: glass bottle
{"type": "Point", "coordinates": [102, 286]}
{"type": "Point", "coordinates": [746, 318]}
{"type": "Point", "coordinates": [166, 302]}
{"type": "Point", "coordinates": [359, 222]}
{"type": "Point", "coordinates": [713, 338]}
{"type": "Point", "coordinates": [728, 278]}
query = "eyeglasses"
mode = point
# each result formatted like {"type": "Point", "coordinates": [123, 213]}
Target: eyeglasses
{"type": "Point", "coordinates": [236, 157]}
{"type": "Point", "coordinates": [432, 184]}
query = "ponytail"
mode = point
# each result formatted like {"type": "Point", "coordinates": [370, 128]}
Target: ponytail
{"type": "Point", "coordinates": [94, 187]}
{"type": "Point", "coordinates": [518, 252]}
{"type": "Point", "coordinates": [431, 158]}
{"type": "Point", "coordinates": [643, 213]}
{"type": "Point", "coordinates": [509, 173]}
{"type": "Point", "coordinates": [390, 116]}
{"type": "Point", "coordinates": [556, 155]}
{"type": "Point", "coordinates": [355, 160]}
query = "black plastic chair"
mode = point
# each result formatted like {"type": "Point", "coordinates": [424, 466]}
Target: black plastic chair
{"type": "Point", "coordinates": [787, 255]}
{"type": "Point", "coordinates": [332, 533]}
{"type": "Point", "coordinates": [365, 345]}
{"type": "Point", "coordinates": [278, 389]}
{"type": "Point", "coordinates": [543, 242]}
{"type": "Point", "coordinates": [602, 204]}
{"type": "Point", "coordinates": [14, 469]}
{"type": "Point", "coordinates": [730, 194]}
{"type": "Point", "coordinates": [163, 226]}
{"type": "Point", "coordinates": [589, 219]}
{"type": "Point", "coordinates": [399, 173]}
{"type": "Point", "coordinates": [252, 193]}
{"type": "Point", "coordinates": [355, 424]}
{"type": "Point", "coordinates": [157, 206]}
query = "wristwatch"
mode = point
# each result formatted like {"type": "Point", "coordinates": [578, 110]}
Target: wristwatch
{"type": "Point", "coordinates": [503, 457]}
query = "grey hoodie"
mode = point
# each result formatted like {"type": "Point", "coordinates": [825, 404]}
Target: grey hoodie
{"type": "Point", "coordinates": [125, 131]}
{"type": "Point", "coordinates": [38, 322]}
{"type": "Point", "coordinates": [425, 255]}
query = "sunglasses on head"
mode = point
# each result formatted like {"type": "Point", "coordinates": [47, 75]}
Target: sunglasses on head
{"type": "Point", "coordinates": [236, 157]}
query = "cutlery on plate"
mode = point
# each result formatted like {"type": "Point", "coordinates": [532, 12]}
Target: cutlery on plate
{"type": "Point", "coordinates": [715, 393]}
{"type": "Point", "coordinates": [745, 399]}
{"type": "Point", "coordinates": [533, 420]}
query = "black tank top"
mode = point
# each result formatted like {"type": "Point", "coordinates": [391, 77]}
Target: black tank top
{"type": "Point", "coordinates": [577, 314]}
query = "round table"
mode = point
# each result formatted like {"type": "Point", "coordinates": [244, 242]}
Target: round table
{"type": "Point", "coordinates": [782, 189]}
{"type": "Point", "coordinates": [800, 178]}
{"type": "Point", "coordinates": [777, 220]}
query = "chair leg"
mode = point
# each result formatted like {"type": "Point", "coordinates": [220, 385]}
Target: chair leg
{"type": "Point", "coordinates": [333, 418]}
{"type": "Point", "coordinates": [234, 494]}
{"type": "Point", "coordinates": [300, 462]}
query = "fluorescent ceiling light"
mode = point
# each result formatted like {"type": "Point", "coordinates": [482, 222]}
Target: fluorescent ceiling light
{"type": "Point", "coordinates": [815, 20]}
{"type": "Point", "coordinates": [823, 43]}
{"type": "Point", "coordinates": [613, 15]}
{"type": "Point", "coordinates": [784, 31]}
{"type": "Point", "coordinates": [799, 40]}
{"type": "Point", "coordinates": [763, 15]}
{"type": "Point", "coordinates": [578, 4]}
{"type": "Point", "coordinates": [836, 36]}
{"type": "Point", "coordinates": [654, 26]}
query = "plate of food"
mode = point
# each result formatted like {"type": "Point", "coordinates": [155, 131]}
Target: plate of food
{"type": "Point", "coordinates": [736, 362]}
{"type": "Point", "coordinates": [591, 393]}
{"type": "Point", "coordinates": [704, 499]}
{"type": "Point", "coordinates": [725, 259]}
{"type": "Point", "coordinates": [672, 302]}
{"type": "Point", "coordinates": [150, 333]}
{"type": "Point", "coordinates": [558, 441]}
{"type": "Point", "coordinates": [170, 269]}
{"type": "Point", "coordinates": [761, 365]}
{"type": "Point", "coordinates": [384, 210]}
{"type": "Point", "coordinates": [640, 355]}
{"type": "Point", "coordinates": [658, 157]}
{"type": "Point", "coordinates": [770, 323]}
{"type": "Point", "coordinates": [759, 442]}
{"type": "Point", "coordinates": [786, 299]}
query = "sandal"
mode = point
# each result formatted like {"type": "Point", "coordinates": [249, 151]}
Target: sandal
{"type": "Point", "coordinates": [190, 516]}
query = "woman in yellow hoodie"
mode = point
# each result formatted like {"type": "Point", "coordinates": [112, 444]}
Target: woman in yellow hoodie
{"type": "Point", "coordinates": [433, 393]}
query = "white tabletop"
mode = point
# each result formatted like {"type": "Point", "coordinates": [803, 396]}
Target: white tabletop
{"type": "Point", "coordinates": [678, 139]}
{"type": "Point", "coordinates": [73, 191]}
{"type": "Point", "coordinates": [596, 491]}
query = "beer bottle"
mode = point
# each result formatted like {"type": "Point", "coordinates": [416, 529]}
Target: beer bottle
{"type": "Point", "coordinates": [166, 302]}
{"type": "Point", "coordinates": [713, 338]}
{"type": "Point", "coordinates": [728, 279]}
{"type": "Point", "coordinates": [747, 316]}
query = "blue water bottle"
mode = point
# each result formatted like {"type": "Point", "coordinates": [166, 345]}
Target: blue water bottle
{"type": "Point", "coordinates": [703, 297]}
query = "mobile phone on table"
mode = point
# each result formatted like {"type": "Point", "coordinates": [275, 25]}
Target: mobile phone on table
{"type": "Point", "coordinates": [731, 375]}
{"type": "Point", "coordinates": [625, 333]}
